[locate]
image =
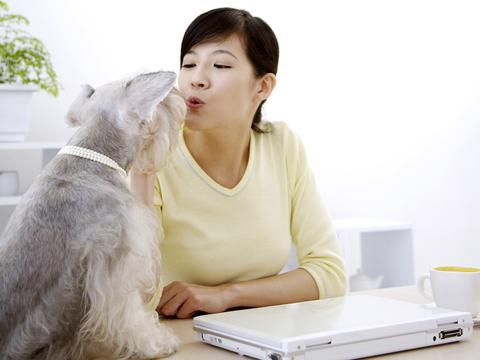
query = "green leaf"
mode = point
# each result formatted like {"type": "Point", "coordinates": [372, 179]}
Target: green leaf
{"type": "Point", "coordinates": [24, 57]}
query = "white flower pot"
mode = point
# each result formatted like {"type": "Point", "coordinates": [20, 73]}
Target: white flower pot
{"type": "Point", "coordinates": [15, 102]}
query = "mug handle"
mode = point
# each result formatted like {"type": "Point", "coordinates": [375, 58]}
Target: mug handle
{"type": "Point", "coordinates": [421, 286]}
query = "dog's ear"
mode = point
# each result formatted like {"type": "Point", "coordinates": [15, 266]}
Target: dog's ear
{"type": "Point", "coordinates": [74, 114]}
{"type": "Point", "coordinates": [144, 92]}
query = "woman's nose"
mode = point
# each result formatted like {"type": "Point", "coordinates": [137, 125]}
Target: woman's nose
{"type": "Point", "coordinates": [199, 84]}
{"type": "Point", "coordinates": [200, 81]}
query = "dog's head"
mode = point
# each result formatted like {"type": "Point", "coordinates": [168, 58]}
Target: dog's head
{"type": "Point", "coordinates": [147, 107]}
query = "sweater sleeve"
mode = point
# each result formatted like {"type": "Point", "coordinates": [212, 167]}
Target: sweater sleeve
{"type": "Point", "coordinates": [313, 233]}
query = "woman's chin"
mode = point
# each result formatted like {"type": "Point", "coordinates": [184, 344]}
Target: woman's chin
{"type": "Point", "coordinates": [196, 123]}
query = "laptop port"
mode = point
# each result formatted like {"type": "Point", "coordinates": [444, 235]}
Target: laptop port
{"type": "Point", "coordinates": [274, 356]}
{"type": "Point", "coordinates": [450, 333]}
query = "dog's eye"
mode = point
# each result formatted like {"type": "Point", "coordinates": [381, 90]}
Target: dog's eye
{"type": "Point", "coordinates": [188, 66]}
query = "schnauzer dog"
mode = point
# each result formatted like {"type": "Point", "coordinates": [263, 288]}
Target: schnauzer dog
{"type": "Point", "coordinates": [79, 258]}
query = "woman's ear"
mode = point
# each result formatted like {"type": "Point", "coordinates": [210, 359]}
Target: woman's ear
{"type": "Point", "coordinates": [266, 85]}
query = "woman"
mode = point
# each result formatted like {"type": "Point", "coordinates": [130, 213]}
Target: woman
{"type": "Point", "coordinates": [238, 191]}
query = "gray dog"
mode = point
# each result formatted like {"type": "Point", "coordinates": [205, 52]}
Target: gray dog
{"type": "Point", "coordinates": [79, 258]}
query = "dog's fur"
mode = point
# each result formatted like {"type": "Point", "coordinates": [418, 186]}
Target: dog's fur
{"type": "Point", "coordinates": [79, 258]}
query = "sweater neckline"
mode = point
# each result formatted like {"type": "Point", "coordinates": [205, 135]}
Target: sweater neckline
{"type": "Point", "coordinates": [212, 183]}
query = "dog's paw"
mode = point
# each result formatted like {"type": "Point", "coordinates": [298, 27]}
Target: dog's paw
{"type": "Point", "coordinates": [164, 343]}
{"type": "Point", "coordinates": [169, 342]}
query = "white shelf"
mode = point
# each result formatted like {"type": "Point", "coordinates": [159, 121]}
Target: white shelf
{"type": "Point", "coordinates": [370, 225]}
{"type": "Point", "coordinates": [48, 149]}
{"type": "Point", "coordinates": [9, 200]}
{"type": "Point", "coordinates": [30, 145]}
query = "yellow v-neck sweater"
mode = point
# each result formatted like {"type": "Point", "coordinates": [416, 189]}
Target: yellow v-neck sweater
{"type": "Point", "coordinates": [215, 235]}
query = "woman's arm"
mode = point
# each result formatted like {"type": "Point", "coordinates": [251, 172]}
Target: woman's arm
{"type": "Point", "coordinates": [142, 185]}
{"type": "Point", "coordinates": [183, 299]}
{"type": "Point", "coordinates": [312, 230]}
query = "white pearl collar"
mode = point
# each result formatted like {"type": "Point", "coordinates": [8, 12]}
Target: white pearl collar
{"type": "Point", "coordinates": [91, 155]}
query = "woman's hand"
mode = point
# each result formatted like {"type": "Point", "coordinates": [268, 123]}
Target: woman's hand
{"type": "Point", "coordinates": [182, 299]}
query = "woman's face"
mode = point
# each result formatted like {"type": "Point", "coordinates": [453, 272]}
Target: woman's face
{"type": "Point", "coordinates": [218, 81]}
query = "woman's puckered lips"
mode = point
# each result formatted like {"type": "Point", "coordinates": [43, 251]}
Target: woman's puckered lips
{"type": "Point", "coordinates": [195, 102]}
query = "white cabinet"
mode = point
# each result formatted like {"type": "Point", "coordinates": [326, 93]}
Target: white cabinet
{"type": "Point", "coordinates": [377, 249]}
{"type": "Point", "coordinates": [48, 151]}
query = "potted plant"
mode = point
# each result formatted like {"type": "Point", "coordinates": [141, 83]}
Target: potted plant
{"type": "Point", "coordinates": [25, 67]}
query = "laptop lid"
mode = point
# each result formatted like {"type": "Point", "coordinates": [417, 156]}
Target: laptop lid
{"type": "Point", "coordinates": [361, 325]}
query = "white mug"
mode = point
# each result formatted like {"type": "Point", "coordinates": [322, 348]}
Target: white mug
{"type": "Point", "coordinates": [8, 183]}
{"type": "Point", "coordinates": [453, 287]}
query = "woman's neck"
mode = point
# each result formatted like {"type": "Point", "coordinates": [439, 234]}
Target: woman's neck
{"type": "Point", "coordinates": [222, 154]}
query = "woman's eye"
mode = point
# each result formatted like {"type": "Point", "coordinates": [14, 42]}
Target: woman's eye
{"type": "Point", "coordinates": [188, 66]}
{"type": "Point", "coordinates": [218, 66]}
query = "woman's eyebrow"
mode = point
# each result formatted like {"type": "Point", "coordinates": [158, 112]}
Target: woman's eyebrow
{"type": "Point", "coordinates": [219, 51]}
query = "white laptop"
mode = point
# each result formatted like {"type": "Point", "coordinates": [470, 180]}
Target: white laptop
{"type": "Point", "coordinates": [351, 327]}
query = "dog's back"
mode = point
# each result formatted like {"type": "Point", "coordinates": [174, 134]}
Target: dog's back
{"type": "Point", "coordinates": [45, 247]}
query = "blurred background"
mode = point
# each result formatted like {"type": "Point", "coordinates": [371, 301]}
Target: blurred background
{"type": "Point", "coordinates": [384, 94]}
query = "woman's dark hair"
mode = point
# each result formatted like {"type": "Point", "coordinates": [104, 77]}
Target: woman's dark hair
{"type": "Point", "coordinates": [260, 42]}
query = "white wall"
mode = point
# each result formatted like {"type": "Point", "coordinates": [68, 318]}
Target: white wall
{"type": "Point", "coordinates": [385, 95]}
